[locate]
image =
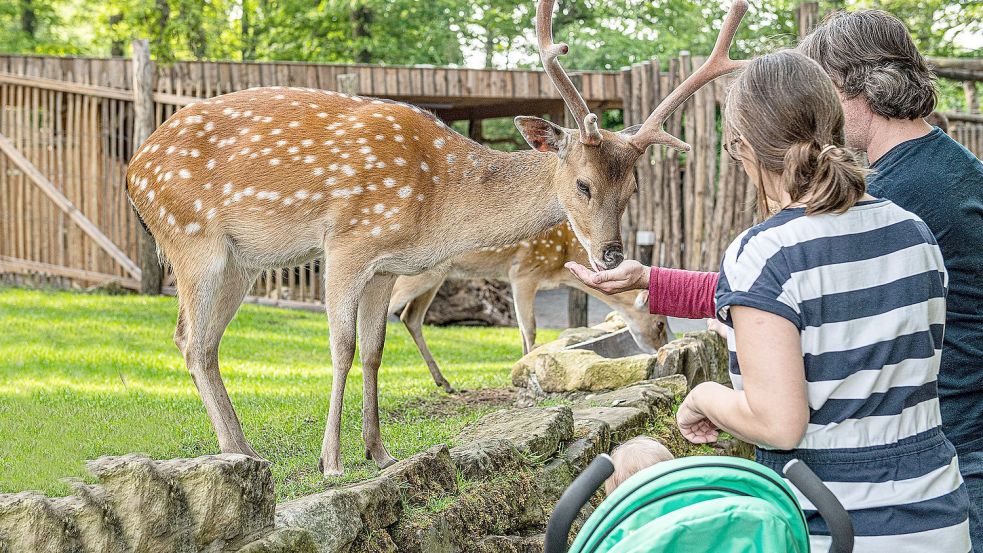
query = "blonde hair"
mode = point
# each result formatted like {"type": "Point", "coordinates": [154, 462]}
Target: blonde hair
{"type": "Point", "coordinates": [785, 108]}
{"type": "Point", "coordinates": [632, 456]}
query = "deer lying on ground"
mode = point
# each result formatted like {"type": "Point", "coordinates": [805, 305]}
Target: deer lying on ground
{"type": "Point", "coordinates": [529, 266]}
{"type": "Point", "coordinates": [274, 177]}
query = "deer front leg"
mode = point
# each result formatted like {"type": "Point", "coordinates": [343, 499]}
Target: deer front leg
{"type": "Point", "coordinates": [412, 318]}
{"type": "Point", "coordinates": [524, 296]}
{"type": "Point", "coordinates": [343, 290]}
{"type": "Point", "coordinates": [372, 310]}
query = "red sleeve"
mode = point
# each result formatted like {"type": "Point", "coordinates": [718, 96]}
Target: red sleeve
{"type": "Point", "coordinates": [684, 294]}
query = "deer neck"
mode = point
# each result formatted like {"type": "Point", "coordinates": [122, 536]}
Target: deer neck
{"type": "Point", "coordinates": [500, 198]}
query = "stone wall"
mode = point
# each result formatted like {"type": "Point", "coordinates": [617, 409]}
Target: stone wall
{"type": "Point", "coordinates": [493, 491]}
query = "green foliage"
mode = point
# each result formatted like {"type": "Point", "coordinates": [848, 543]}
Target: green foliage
{"type": "Point", "coordinates": [88, 375]}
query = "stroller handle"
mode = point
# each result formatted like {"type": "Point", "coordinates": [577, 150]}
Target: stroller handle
{"type": "Point", "coordinates": [573, 500]}
{"type": "Point", "coordinates": [830, 508]}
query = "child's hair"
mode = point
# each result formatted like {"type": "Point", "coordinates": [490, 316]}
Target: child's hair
{"type": "Point", "coordinates": [632, 456]}
{"type": "Point", "coordinates": [785, 107]}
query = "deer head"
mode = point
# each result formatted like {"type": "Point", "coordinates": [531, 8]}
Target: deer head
{"type": "Point", "coordinates": [595, 177]}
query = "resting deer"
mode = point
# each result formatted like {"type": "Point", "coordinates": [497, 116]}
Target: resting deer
{"type": "Point", "coordinates": [529, 266]}
{"type": "Point", "coordinates": [274, 177]}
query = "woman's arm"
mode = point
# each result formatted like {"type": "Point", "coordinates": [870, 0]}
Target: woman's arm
{"type": "Point", "coordinates": [773, 409]}
{"type": "Point", "coordinates": [672, 292]}
{"type": "Point", "coordinates": [685, 294]}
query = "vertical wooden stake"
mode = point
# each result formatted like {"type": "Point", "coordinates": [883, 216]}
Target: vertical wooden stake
{"type": "Point", "coordinates": [143, 126]}
{"type": "Point", "coordinates": [808, 18]}
{"type": "Point", "coordinates": [972, 100]}
{"type": "Point", "coordinates": [577, 299]}
{"type": "Point", "coordinates": [348, 83]}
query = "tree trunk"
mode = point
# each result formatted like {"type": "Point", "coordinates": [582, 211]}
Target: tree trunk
{"type": "Point", "coordinates": [361, 17]}
{"type": "Point", "coordinates": [472, 303]}
{"type": "Point", "coordinates": [116, 48]}
{"type": "Point", "coordinates": [28, 19]}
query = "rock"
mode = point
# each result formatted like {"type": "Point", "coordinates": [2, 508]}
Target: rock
{"type": "Point", "coordinates": [485, 459]}
{"type": "Point", "coordinates": [549, 483]}
{"type": "Point", "coordinates": [624, 422]}
{"type": "Point", "coordinates": [424, 475]}
{"type": "Point", "coordinates": [331, 517]}
{"type": "Point", "coordinates": [511, 544]}
{"type": "Point", "coordinates": [533, 431]}
{"type": "Point", "coordinates": [30, 522]}
{"type": "Point", "coordinates": [614, 345]}
{"type": "Point", "coordinates": [646, 396]}
{"type": "Point", "coordinates": [283, 540]}
{"type": "Point", "coordinates": [374, 541]}
{"type": "Point", "coordinates": [524, 367]}
{"type": "Point", "coordinates": [229, 497]}
{"type": "Point", "coordinates": [571, 370]}
{"type": "Point", "coordinates": [675, 385]}
{"type": "Point", "coordinates": [472, 302]}
{"type": "Point", "coordinates": [97, 526]}
{"type": "Point", "coordinates": [379, 500]}
{"type": "Point", "coordinates": [151, 506]}
{"type": "Point", "coordinates": [591, 438]}
{"type": "Point", "coordinates": [699, 356]}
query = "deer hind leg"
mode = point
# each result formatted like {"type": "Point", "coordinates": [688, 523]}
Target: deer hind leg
{"type": "Point", "coordinates": [181, 328]}
{"type": "Point", "coordinates": [210, 296]}
{"type": "Point", "coordinates": [412, 317]}
{"type": "Point", "coordinates": [372, 310]}
{"type": "Point", "coordinates": [524, 296]}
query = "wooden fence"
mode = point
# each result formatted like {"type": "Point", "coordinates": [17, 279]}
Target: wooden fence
{"type": "Point", "coordinates": [72, 119]}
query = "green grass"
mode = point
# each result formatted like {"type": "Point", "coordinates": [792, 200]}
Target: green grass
{"type": "Point", "coordinates": [88, 375]}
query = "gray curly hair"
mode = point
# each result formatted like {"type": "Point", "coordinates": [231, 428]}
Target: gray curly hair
{"type": "Point", "coordinates": [870, 53]}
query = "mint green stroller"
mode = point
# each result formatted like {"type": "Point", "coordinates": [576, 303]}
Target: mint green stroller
{"type": "Point", "coordinates": [697, 504]}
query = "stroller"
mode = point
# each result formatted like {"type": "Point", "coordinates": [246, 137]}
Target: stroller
{"type": "Point", "coordinates": [697, 504]}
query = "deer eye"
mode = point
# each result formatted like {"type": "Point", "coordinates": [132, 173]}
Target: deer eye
{"type": "Point", "coordinates": [583, 188]}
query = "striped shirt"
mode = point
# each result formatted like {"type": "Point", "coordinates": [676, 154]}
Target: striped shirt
{"type": "Point", "coordinates": [866, 289]}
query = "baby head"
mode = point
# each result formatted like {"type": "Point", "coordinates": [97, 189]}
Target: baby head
{"type": "Point", "coordinates": [632, 456]}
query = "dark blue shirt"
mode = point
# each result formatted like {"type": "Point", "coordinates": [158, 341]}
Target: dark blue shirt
{"type": "Point", "coordinates": [941, 181]}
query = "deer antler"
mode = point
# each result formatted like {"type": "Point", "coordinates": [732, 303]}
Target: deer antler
{"type": "Point", "coordinates": [719, 63]}
{"type": "Point", "coordinates": [549, 52]}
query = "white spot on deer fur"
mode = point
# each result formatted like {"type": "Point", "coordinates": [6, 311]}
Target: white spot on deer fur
{"type": "Point", "coordinates": [316, 196]}
{"type": "Point", "coordinates": [278, 97]}
{"type": "Point", "coordinates": [398, 138]}
{"type": "Point", "coordinates": [209, 126]}
{"type": "Point", "coordinates": [424, 166]}
{"type": "Point", "coordinates": [154, 148]}
{"type": "Point", "coordinates": [346, 155]}
{"type": "Point", "coordinates": [198, 205]}
{"type": "Point", "coordinates": [227, 189]}
{"type": "Point", "coordinates": [170, 150]}
{"type": "Point", "coordinates": [184, 174]}
{"type": "Point", "coordinates": [399, 161]}
{"type": "Point", "coordinates": [170, 220]}
{"type": "Point", "coordinates": [150, 196]}
{"type": "Point", "coordinates": [318, 171]}
{"type": "Point", "coordinates": [339, 132]}
{"type": "Point", "coordinates": [192, 228]}
{"type": "Point", "coordinates": [288, 201]}
{"type": "Point", "coordinates": [347, 170]}
{"type": "Point", "coordinates": [438, 143]}
{"type": "Point", "coordinates": [207, 186]}
{"type": "Point", "coordinates": [274, 162]}
{"type": "Point", "coordinates": [378, 208]}
{"type": "Point", "coordinates": [275, 132]}
{"type": "Point", "coordinates": [245, 150]}
{"type": "Point", "coordinates": [293, 150]}
{"type": "Point", "coordinates": [168, 175]}
{"type": "Point", "coordinates": [301, 194]}
{"type": "Point", "coordinates": [249, 191]}
{"type": "Point", "coordinates": [211, 214]}
{"type": "Point", "coordinates": [376, 231]}
{"type": "Point", "coordinates": [192, 119]}
{"type": "Point", "coordinates": [293, 124]}
{"type": "Point", "coordinates": [358, 125]}
{"type": "Point", "coordinates": [237, 196]}
{"type": "Point", "coordinates": [389, 182]}
{"type": "Point", "coordinates": [331, 181]}
{"type": "Point", "coordinates": [404, 192]}
{"type": "Point", "coordinates": [365, 150]}
{"type": "Point", "coordinates": [322, 115]}
{"type": "Point", "coordinates": [436, 179]}
{"type": "Point", "coordinates": [381, 165]}
{"type": "Point", "coordinates": [242, 132]}
{"type": "Point", "coordinates": [195, 152]}
{"type": "Point", "coordinates": [307, 142]}
{"type": "Point", "coordinates": [266, 151]}
{"type": "Point", "coordinates": [397, 126]}
{"type": "Point", "coordinates": [380, 137]}
{"type": "Point", "coordinates": [451, 158]}
{"type": "Point", "coordinates": [281, 143]}
{"type": "Point", "coordinates": [395, 226]}
{"type": "Point", "coordinates": [371, 158]}
{"type": "Point", "coordinates": [257, 138]}
{"type": "Point", "coordinates": [420, 197]}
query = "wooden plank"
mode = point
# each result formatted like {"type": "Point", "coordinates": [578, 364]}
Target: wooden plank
{"type": "Point", "coordinates": [68, 207]}
{"type": "Point", "coordinates": [63, 86]}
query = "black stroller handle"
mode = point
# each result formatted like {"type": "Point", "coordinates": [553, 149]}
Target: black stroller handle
{"type": "Point", "coordinates": [837, 518]}
{"type": "Point", "coordinates": [573, 500]}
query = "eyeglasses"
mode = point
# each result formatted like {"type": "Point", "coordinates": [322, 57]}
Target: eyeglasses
{"type": "Point", "coordinates": [732, 148]}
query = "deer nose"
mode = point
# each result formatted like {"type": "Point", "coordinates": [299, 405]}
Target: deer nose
{"type": "Point", "coordinates": [613, 255]}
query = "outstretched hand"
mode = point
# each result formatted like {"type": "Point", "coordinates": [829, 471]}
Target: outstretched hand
{"type": "Point", "coordinates": [630, 275]}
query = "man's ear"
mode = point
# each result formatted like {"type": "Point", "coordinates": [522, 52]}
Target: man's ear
{"type": "Point", "coordinates": [543, 135]}
{"type": "Point", "coordinates": [629, 131]}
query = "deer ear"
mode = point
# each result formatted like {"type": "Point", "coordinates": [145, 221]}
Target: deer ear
{"type": "Point", "coordinates": [629, 131]}
{"type": "Point", "coordinates": [543, 135]}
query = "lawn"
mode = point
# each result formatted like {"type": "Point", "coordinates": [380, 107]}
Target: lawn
{"type": "Point", "coordinates": [85, 375]}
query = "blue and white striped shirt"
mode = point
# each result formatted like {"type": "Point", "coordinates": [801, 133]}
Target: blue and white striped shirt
{"type": "Point", "coordinates": [866, 289]}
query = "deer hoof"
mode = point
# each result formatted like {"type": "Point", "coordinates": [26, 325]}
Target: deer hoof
{"type": "Point", "coordinates": [329, 472]}
{"type": "Point", "coordinates": [446, 386]}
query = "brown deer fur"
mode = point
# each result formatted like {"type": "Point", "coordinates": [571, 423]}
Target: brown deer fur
{"type": "Point", "coordinates": [529, 266]}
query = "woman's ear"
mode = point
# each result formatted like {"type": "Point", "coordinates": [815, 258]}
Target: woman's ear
{"type": "Point", "coordinates": [543, 135]}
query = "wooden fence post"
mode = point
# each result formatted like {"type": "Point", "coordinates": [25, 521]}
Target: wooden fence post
{"type": "Point", "coordinates": [576, 299]}
{"type": "Point", "coordinates": [808, 18]}
{"type": "Point", "coordinates": [143, 125]}
{"type": "Point", "coordinates": [972, 100]}
{"type": "Point", "coordinates": [348, 83]}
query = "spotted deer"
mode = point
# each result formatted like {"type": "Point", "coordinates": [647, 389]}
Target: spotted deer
{"type": "Point", "coordinates": [529, 266]}
{"type": "Point", "coordinates": [274, 177]}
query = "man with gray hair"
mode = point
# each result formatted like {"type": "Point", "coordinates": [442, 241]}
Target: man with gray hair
{"type": "Point", "coordinates": [887, 89]}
